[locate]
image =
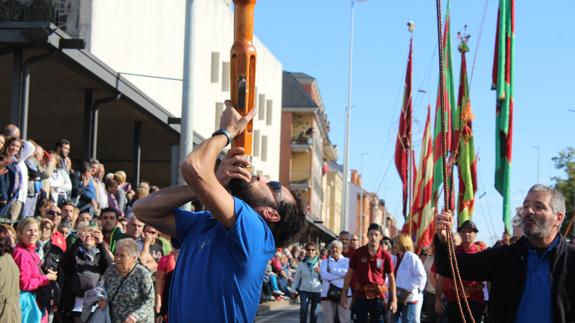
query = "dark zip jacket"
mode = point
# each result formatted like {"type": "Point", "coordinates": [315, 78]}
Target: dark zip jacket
{"type": "Point", "coordinates": [506, 269]}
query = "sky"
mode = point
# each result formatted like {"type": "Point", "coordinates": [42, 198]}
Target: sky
{"type": "Point", "coordinates": [312, 36]}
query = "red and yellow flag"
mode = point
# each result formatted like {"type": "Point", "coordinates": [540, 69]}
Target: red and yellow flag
{"type": "Point", "coordinates": [421, 220]}
{"type": "Point", "coordinates": [403, 144]}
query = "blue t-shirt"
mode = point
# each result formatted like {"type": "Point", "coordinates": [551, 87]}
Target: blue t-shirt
{"type": "Point", "coordinates": [219, 272]}
{"type": "Point", "coordinates": [535, 304]}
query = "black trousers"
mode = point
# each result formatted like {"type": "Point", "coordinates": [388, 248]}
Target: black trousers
{"type": "Point", "coordinates": [454, 316]}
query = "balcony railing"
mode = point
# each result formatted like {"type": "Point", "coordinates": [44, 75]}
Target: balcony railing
{"type": "Point", "coordinates": [54, 11]}
{"type": "Point", "coordinates": [301, 148]}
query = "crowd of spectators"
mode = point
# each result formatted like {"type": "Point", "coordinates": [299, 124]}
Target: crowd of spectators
{"type": "Point", "coordinates": [71, 249]}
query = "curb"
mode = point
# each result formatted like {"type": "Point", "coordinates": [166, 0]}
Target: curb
{"type": "Point", "coordinates": [270, 306]}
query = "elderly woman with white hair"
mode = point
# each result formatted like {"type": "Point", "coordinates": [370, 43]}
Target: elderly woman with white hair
{"type": "Point", "coordinates": [333, 271]}
{"type": "Point", "coordinates": [129, 285]}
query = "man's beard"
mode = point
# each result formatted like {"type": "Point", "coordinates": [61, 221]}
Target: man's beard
{"type": "Point", "coordinates": [239, 188]}
{"type": "Point", "coordinates": [538, 229]}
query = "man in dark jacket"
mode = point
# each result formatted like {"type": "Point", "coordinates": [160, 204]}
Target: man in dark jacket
{"type": "Point", "coordinates": [531, 280]}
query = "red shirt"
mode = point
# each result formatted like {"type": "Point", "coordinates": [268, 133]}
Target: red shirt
{"type": "Point", "coordinates": [368, 269]}
{"type": "Point", "coordinates": [349, 252]}
{"type": "Point", "coordinates": [167, 263]}
{"type": "Point", "coordinates": [475, 286]}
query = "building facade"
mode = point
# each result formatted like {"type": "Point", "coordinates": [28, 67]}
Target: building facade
{"type": "Point", "coordinates": [143, 40]}
{"type": "Point", "coordinates": [306, 151]}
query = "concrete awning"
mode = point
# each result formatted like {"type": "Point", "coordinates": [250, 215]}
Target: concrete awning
{"type": "Point", "coordinates": [58, 89]}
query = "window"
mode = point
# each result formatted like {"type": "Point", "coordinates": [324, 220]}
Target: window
{"type": "Point", "coordinates": [264, 156]}
{"type": "Point", "coordinates": [215, 74]}
{"type": "Point", "coordinates": [256, 138]}
{"type": "Point", "coordinates": [219, 110]}
{"type": "Point", "coordinates": [262, 107]}
{"type": "Point", "coordinates": [226, 76]}
{"type": "Point", "coordinates": [269, 108]}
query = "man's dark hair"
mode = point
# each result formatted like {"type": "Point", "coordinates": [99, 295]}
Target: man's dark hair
{"type": "Point", "coordinates": [375, 226]}
{"type": "Point", "coordinates": [343, 232]}
{"type": "Point", "coordinates": [292, 216]}
{"type": "Point", "coordinates": [292, 220]}
{"type": "Point", "coordinates": [61, 143]}
{"type": "Point", "coordinates": [111, 209]}
{"type": "Point", "coordinates": [66, 202]}
{"type": "Point", "coordinates": [85, 167]}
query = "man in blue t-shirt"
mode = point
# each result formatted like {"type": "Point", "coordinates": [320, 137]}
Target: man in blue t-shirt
{"type": "Point", "coordinates": [224, 250]}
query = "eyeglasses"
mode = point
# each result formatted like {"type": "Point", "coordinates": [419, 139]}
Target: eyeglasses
{"type": "Point", "coordinates": [276, 188]}
{"type": "Point", "coordinates": [310, 249]}
{"type": "Point", "coordinates": [54, 213]}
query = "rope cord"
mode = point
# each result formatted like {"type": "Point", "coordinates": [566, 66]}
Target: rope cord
{"type": "Point", "coordinates": [478, 41]}
{"type": "Point", "coordinates": [458, 284]}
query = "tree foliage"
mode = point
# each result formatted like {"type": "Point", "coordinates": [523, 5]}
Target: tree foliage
{"type": "Point", "coordinates": [566, 162]}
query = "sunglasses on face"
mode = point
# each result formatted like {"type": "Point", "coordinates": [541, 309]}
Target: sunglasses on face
{"type": "Point", "coordinates": [310, 250]}
{"type": "Point", "coordinates": [276, 188]}
{"type": "Point", "coordinates": [54, 213]}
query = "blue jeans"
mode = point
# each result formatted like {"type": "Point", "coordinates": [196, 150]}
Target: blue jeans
{"type": "Point", "coordinates": [368, 310]}
{"type": "Point", "coordinates": [308, 299]}
{"type": "Point", "coordinates": [406, 313]}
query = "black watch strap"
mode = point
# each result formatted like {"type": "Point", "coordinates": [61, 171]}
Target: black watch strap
{"type": "Point", "coordinates": [223, 132]}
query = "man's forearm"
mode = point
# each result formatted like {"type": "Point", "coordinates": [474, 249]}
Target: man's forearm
{"type": "Point", "coordinates": [439, 289]}
{"type": "Point", "coordinates": [201, 161]}
{"type": "Point", "coordinates": [347, 281]}
{"type": "Point", "coordinates": [163, 202]}
{"type": "Point", "coordinates": [392, 288]}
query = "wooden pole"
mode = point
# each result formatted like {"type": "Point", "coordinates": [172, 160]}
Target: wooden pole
{"type": "Point", "coordinates": [243, 68]}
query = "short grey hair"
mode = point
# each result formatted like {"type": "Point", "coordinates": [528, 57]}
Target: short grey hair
{"type": "Point", "coordinates": [130, 245]}
{"type": "Point", "coordinates": [557, 198]}
{"type": "Point", "coordinates": [336, 243]}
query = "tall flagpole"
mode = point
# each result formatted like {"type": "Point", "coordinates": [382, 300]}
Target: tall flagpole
{"type": "Point", "coordinates": [410, 28]}
{"type": "Point", "coordinates": [345, 197]}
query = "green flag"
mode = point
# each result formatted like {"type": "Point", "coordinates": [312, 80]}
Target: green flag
{"type": "Point", "coordinates": [450, 104]}
{"type": "Point", "coordinates": [503, 85]}
{"type": "Point", "coordinates": [466, 160]}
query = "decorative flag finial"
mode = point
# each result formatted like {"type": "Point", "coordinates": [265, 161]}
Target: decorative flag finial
{"type": "Point", "coordinates": [410, 26]}
{"type": "Point", "coordinates": [464, 39]}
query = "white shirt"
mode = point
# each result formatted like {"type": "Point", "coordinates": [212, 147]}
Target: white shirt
{"type": "Point", "coordinates": [101, 194]}
{"type": "Point", "coordinates": [427, 265]}
{"type": "Point", "coordinates": [335, 275]}
{"type": "Point", "coordinates": [411, 276]}
{"type": "Point", "coordinates": [21, 179]}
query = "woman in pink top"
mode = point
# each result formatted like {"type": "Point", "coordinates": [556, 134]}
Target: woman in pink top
{"type": "Point", "coordinates": [31, 276]}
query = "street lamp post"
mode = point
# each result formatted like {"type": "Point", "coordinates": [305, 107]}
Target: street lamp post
{"type": "Point", "coordinates": [345, 198]}
{"type": "Point", "coordinates": [538, 154]}
{"type": "Point", "coordinates": [361, 201]}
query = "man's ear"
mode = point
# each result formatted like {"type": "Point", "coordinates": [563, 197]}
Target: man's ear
{"type": "Point", "coordinates": [560, 217]}
{"type": "Point", "coordinates": [270, 214]}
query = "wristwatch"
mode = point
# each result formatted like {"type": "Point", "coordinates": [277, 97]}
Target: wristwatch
{"type": "Point", "coordinates": [223, 132]}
